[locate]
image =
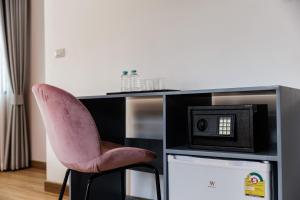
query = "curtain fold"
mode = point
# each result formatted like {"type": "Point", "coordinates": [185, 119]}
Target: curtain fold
{"type": "Point", "coordinates": [3, 100]}
{"type": "Point", "coordinates": [3, 89]}
{"type": "Point", "coordinates": [15, 154]}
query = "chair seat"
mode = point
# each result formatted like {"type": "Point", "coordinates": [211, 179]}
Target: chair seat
{"type": "Point", "coordinates": [114, 156]}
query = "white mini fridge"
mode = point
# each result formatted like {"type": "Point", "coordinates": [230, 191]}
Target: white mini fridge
{"type": "Point", "coordinates": [193, 178]}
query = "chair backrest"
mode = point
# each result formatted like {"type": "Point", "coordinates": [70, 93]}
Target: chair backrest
{"type": "Point", "coordinates": [71, 130]}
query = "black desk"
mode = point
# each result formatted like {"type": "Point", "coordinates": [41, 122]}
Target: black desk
{"type": "Point", "coordinates": [109, 112]}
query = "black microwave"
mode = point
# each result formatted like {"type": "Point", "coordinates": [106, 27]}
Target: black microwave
{"type": "Point", "coordinates": [233, 128]}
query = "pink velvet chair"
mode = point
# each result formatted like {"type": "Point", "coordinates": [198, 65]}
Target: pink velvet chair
{"type": "Point", "coordinates": [76, 141]}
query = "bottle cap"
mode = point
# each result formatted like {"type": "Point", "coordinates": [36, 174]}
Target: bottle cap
{"type": "Point", "coordinates": [133, 71]}
{"type": "Point", "coordinates": [125, 72]}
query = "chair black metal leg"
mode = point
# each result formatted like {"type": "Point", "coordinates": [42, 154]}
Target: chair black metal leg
{"type": "Point", "coordinates": [63, 187]}
{"type": "Point", "coordinates": [158, 192]}
{"type": "Point", "coordinates": [90, 181]}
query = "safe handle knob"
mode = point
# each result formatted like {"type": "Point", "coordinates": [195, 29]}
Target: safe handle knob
{"type": "Point", "coordinates": [202, 124]}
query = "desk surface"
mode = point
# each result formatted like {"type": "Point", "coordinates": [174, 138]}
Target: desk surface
{"type": "Point", "coordinates": [263, 89]}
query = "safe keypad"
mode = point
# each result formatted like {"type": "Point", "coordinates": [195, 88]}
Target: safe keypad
{"type": "Point", "coordinates": [225, 126]}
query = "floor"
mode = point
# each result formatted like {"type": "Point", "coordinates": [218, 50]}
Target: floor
{"type": "Point", "coordinates": [25, 184]}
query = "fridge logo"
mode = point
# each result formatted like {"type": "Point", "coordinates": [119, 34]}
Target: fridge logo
{"type": "Point", "coordinates": [212, 184]}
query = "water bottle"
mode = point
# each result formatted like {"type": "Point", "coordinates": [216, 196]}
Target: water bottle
{"type": "Point", "coordinates": [135, 81]}
{"type": "Point", "coordinates": [124, 81]}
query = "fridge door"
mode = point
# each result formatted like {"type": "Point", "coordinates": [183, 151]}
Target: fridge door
{"type": "Point", "coordinates": [193, 178]}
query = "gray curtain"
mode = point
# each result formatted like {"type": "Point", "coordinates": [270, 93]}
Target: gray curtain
{"type": "Point", "coordinates": [16, 147]}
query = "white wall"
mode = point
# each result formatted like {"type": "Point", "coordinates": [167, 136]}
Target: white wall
{"type": "Point", "coordinates": [36, 74]}
{"type": "Point", "coordinates": [193, 43]}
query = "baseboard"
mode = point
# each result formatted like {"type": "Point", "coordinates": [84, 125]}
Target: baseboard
{"type": "Point", "coordinates": [38, 164]}
{"type": "Point", "coordinates": [54, 188]}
